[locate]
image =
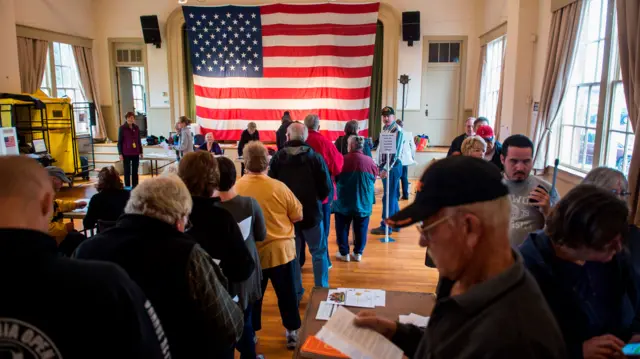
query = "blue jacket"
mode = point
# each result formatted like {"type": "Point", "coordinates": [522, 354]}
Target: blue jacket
{"type": "Point", "coordinates": [355, 185]}
{"type": "Point", "coordinates": [565, 287]}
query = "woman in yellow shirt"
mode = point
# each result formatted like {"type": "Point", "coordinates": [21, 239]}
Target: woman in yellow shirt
{"type": "Point", "coordinates": [277, 252]}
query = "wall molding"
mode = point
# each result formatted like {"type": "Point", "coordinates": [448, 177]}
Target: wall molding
{"type": "Point", "coordinates": [388, 15]}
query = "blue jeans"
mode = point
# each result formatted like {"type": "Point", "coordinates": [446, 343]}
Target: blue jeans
{"type": "Point", "coordinates": [246, 346]}
{"type": "Point", "coordinates": [394, 179]}
{"type": "Point", "coordinates": [360, 225]}
{"type": "Point", "coordinates": [326, 223]}
{"type": "Point", "coordinates": [317, 243]}
{"type": "Point", "coordinates": [404, 180]}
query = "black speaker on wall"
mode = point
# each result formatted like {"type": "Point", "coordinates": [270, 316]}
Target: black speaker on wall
{"type": "Point", "coordinates": [151, 30]}
{"type": "Point", "coordinates": [411, 26]}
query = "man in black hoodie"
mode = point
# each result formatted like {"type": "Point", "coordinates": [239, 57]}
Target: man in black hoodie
{"type": "Point", "coordinates": [55, 307]}
{"type": "Point", "coordinates": [306, 174]}
{"type": "Point", "coordinates": [281, 134]}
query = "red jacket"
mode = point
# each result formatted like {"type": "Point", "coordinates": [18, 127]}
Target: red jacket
{"type": "Point", "coordinates": [330, 153]}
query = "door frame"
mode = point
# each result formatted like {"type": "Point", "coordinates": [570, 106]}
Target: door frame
{"type": "Point", "coordinates": [464, 42]}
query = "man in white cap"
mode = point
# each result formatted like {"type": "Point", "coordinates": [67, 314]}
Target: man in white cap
{"type": "Point", "coordinates": [64, 233]}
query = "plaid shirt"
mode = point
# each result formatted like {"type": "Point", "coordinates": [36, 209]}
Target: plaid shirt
{"type": "Point", "coordinates": [208, 288]}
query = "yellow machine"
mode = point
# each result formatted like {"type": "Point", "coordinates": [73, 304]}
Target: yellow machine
{"type": "Point", "coordinates": [37, 117]}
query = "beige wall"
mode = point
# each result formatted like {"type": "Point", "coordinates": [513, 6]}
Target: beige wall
{"type": "Point", "coordinates": [9, 68]}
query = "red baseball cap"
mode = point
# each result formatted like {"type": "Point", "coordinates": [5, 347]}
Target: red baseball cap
{"type": "Point", "coordinates": [486, 132]}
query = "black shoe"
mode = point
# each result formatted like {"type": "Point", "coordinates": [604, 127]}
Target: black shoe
{"type": "Point", "coordinates": [380, 231]}
{"type": "Point", "coordinates": [404, 198]}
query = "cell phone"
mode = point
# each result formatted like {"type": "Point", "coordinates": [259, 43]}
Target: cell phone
{"type": "Point", "coordinates": [534, 200]}
{"type": "Point", "coordinates": [632, 349]}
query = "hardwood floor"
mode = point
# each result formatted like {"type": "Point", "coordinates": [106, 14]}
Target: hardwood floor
{"type": "Point", "coordinates": [389, 266]}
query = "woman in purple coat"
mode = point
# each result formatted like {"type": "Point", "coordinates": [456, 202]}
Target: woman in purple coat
{"type": "Point", "coordinates": [130, 149]}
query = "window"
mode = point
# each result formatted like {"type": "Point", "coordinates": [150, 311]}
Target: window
{"type": "Point", "coordinates": [443, 52]}
{"type": "Point", "coordinates": [585, 140]}
{"type": "Point", "coordinates": [491, 79]}
{"type": "Point", "coordinates": [137, 81]}
{"type": "Point", "coordinates": [61, 79]}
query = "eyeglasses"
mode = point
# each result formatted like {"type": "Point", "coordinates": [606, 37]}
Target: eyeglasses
{"type": "Point", "coordinates": [424, 230]}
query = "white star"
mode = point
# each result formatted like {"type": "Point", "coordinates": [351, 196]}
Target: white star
{"type": "Point", "coordinates": [226, 48]}
{"type": "Point", "coordinates": [213, 36]}
{"type": "Point", "coordinates": [257, 68]}
{"type": "Point", "coordinates": [217, 29]}
{"type": "Point", "coordinates": [215, 62]}
{"type": "Point", "coordinates": [223, 22]}
{"type": "Point", "coordinates": [224, 36]}
{"type": "Point", "coordinates": [206, 29]}
{"type": "Point", "coordinates": [236, 35]}
{"type": "Point", "coordinates": [210, 23]}
{"type": "Point", "coordinates": [244, 68]}
{"type": "Point", "coordinates": [197, 54]}
{"type": "Point", "coordinates": [253, 16]}
{"type": "Point", "coordinates": [226, 61]}
{"type": "Point", "coordinates": [191, 16]}
{"type": "Point", "coordinates": [242, 29]}
{"type": "Point", "coordinates": [204, 62]}
{"type": "Point", "coordinates": [233, 68]}
{"type": "Point", "coordinates": [254, 29]}
{"type": "Point", "coordinates": [199, 67]}
{"type": "Point", "coordinates": [210, 68]}
{"type": "Point", "coordinates": [198, 23]}
{"type": "Point", "coordinates": [250, 62]}
{"type": "Point", "coordinates": [195, 42]}
{"type": "Point", "coordinates": [249, 48]}
{"type": "Point", "coordinates": [247, 22]}
{"type": "Point", "coordinates": [202, 49]}
{"type": "Point", "coordinates": [241, 16]}
{"type": "Point", "coordinates": [242, 42]}
{"type": "Point", "coordinates": [215, 16]}
{"type": "Point", "coordinates": [230, 28]}
{"type": "Point", "coordinates": [221, 68]}
{"type": "Point", "coordinates": [231, 54]}
{"type": "Point", "coordinates": [207, 42]}
{"type": "Point", "coordinates": [200, 36]}
{"type": "Point", "coordinates": [228, 15]}
{"type": "Point", "coordinates": [230, 41]}
{"type": "Point", "coordinates": [213, 49]}
{"type": "Point", "coordinates": [193, 28]}
{"type": "Point", "coordinates": [255, 55]}
{"type": "Point", "coordinates": [255, 42]}
{"type": "Point", "coordinates": [237, 61]}
{"type": "Point", "coordinates": [248, 36]}
{"type": "Point", "coordinates": [208, 56]}
{"type": "Point", "coordinates": [219, 43]}
{"type": "Point", "coordinates": [237, 48]}
{"type": "Point", "coordinates": [243, 55]}
{"type": "Point", "coordinates": [235, 22]}
{"type": "Point", "coordinates": [204, 17]}
{"type": "Point", "coordinates": [220, 55]}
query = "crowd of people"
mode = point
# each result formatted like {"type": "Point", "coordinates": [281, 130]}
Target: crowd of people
{"type": "Point", "coordinates": [523, 272]}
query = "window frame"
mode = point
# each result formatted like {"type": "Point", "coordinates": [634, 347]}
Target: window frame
{"type": "Point", "coordinates": [485, 79]}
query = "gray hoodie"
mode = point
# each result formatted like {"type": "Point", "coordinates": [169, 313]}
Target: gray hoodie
{"type": "Point", "coordinates": [186, 140]}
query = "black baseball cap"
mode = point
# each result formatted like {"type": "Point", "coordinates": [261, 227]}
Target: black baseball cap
{"type": "Point", "coordinates": [387, 111]}
{"type": "Point", "coordinates": [453, 181]}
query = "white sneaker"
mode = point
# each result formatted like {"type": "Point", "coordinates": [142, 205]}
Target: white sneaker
{"type": "Point", "coordinates": [343, 258]}
{"type": "Point", "coordinates": [357, 257]}
{"type": "Point", "coordinates": [292, 339]}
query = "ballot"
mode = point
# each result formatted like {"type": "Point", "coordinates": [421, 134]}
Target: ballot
{"type": "Point", "coordinates": [341, 333]}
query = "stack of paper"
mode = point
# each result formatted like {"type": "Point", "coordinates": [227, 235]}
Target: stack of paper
{"type": "Point", "coordinates": [415, 319]}
{"type": "Point", "coordinates": [356, 297]}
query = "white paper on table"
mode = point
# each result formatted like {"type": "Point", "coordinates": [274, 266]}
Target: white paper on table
{"type": "Point", "coordinates": [358, 343]}
{"type": "Point", "coordinates": [337, 296]}
{"type": "Point", "coordinates": [360, 298]}
{"type": "Point", "coordinates": [379, 296]}
{"type": "Point", "coordinates": [326, 310]}
{"type": "Point", "coordinates": [245, 227]}
{"type": "Point", "coordinates": [414, 319]}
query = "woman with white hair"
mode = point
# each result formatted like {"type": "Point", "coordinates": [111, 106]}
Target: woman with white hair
{"type": "Point", "coordinates": [474, 146]}
{"type": "Point", "coordinates": [185, 286]}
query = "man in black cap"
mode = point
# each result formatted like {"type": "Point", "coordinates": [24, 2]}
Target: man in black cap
{"type": "Point", "coordinates": [488, 306]}
{"type": "Point", "coordinates": [395, 168]}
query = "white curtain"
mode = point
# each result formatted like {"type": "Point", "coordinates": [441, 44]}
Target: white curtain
{"type": "Point", "coordinates": [84, 60]}
{"type": "Point", "coordinates": [32, 55]}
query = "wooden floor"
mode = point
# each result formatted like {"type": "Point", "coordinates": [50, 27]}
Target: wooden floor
{"type": "Point", "coordinates": [390, 266]}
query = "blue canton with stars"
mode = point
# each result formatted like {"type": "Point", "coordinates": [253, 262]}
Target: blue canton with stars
{"type": "Point", "coordinates": [225, 41]}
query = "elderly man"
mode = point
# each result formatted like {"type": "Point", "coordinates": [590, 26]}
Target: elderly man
{"type": "Point", "coordinates": [456, 144]}
{"type": "Point", "coordinates": [395, 169]}
{"type": "Point", "coordinates": [182, 281]}
{"type": "Point", "coordinates": [54, 307]}
{"type": "Point", "coordinates": [303, 170]}
{"type": "Point", "coordinates": [489, 306]}
{"type": "Point", "coordinates": [494, 147]}
{"type": "Point", "coordinates": [334, 160]}
{"type": "Point", "coordinates": [355, 199]}
{"type": "Point", "coordinates": [530, 199]}
{"type": "Point", "coordinates": [65, 234]}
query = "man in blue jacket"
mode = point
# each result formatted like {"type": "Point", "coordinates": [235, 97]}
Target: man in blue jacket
{"type": "Point", "coordinates": [583, 274]}
{"type": "Point", "coordinates": [304, 171]}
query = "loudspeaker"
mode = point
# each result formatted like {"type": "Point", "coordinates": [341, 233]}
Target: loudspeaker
{"type": "Point", "coordinates": [411, 26]}
{"type": "Point", "coordinates": [151, 30]}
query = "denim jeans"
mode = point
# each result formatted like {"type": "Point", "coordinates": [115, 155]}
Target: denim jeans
{"type": "Point", "coordinates": [394, 180]}
{"type": "Point", "coordinates": [404, 181]}
{"type": "Point", "coordinates": [246, 346]}
{"type": "Point", "coordinates": [326, 224]}
{"type": "Point", "coordinates": [360, 225]}
{"type": "Point", "coordinates": [317, 242]}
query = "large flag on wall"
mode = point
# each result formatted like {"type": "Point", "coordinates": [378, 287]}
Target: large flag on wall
{"type": "Point", "coordinates": [252, 63]}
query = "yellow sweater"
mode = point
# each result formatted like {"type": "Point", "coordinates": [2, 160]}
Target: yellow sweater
{"type": "Point", "coordinates": [279, 206]}
{"type": "Point", "coordinates": [57, 228]}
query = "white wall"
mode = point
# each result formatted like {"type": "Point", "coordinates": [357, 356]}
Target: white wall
{"type": "Point", "coordinates": [9, 68]}
{"type": "Point", "coordinates": [71, 17]}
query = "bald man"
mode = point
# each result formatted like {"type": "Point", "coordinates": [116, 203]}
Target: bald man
{"type": "Point", "coordinates": [55, 307]}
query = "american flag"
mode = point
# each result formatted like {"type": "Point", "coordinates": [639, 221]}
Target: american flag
{"type": "Point", "coordinates": [252, 63]}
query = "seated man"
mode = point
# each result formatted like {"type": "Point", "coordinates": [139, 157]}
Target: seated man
{"type": "Point", "coordinates": [488, 305]}
{"type": "Point", "coordinates": [587, 280]}
{"type": "Point", "coordinates": [456, 144]}
{"type": "Point", "coordinates": [65, 235]}
{"type": "Point", "coordinates": [55, 307]}
{"type": "Point", "coordinates": [494, 147]}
